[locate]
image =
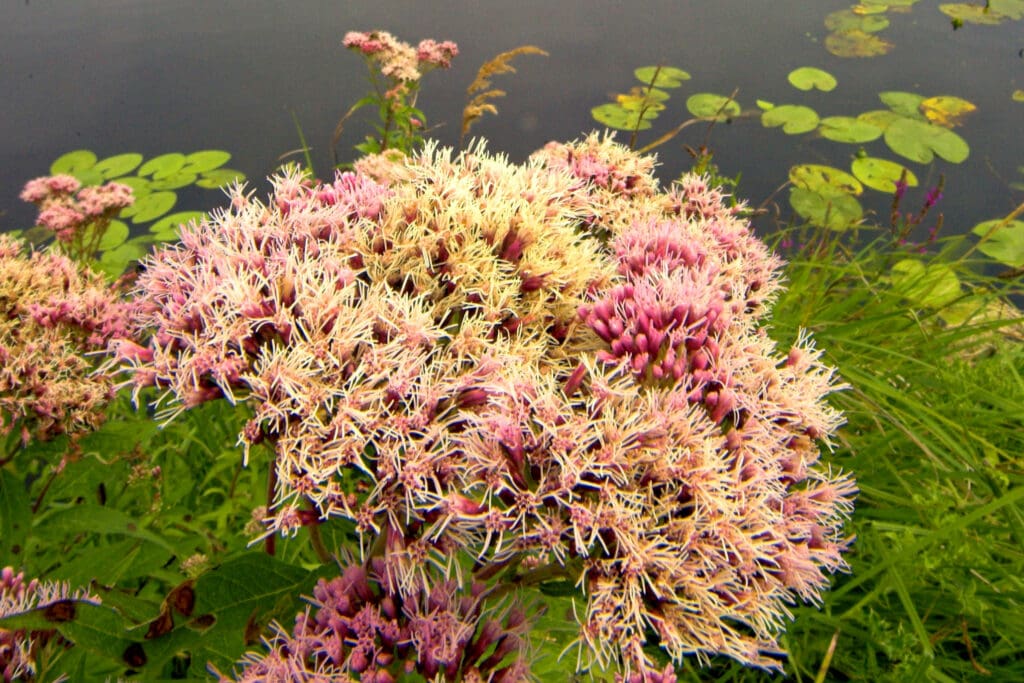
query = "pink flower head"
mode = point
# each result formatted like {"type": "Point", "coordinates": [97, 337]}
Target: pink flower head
{"type": "Point", "coordinates": [437, 53]}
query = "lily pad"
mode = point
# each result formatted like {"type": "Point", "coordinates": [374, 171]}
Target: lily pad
{"type": "Point", "coordinates": [847, 20]}
{"type": "Point", "coordinates": [794, 118]}
{"type": "Point", "coordinates": [1005, 243]}
{"type": "Point", "coordinates": [825, 180]}
{"type": "Point", "coordinates": [947, 111]}
{"type": "Point", "coordinates": [115, 235]}
{"type": "Point", "coordinates": [618, 117]}
{"type": "Point", "coordinates": [881, 174]}
{"type": "Point", "coordinates": [119, 165]}
{"type": "Point", "coordinates": [174, 181]}
{"type": "Point", "coordinates": [167, 227]}
{"type": "Point", "coordinates": [163, 165]}
{"type": "Point", "coordinates": [880, 118]}
{"type": "Point", "coordinates": [972, 14]}
{"type": "Point", "coordinates": [140, 186]}
{"type": "Point", "coordinates": [834, 212]}
{"type": "Point", "coordinates": [920, 141]}
{"type": "Point", "coordinates": [1012, 9]}
{"type": "Point", "coordinates": [662, 77]}
{"type": "Point", "coordinates": [903, 103]}
{"type": "Point", "coordinates": [223, 177]}
{"type": "Point", "coordinates": [931, 286]}
{"type": "Point", "coordinates": [205, 160]}
{"type": "Point", "coordinates": [150, 207]}
{"type": "Point", "coordinates": [764, 105]}
{"type": "Point", "coordinates": [856, 43]}
{"type": "Point", "coordinates": [809, 77]}
{"type": "Point", "coordinates": [848, 129]}
{"type": "Point", "coordinates": [73, 162]}
{"type": "Point", "coordinates": [711, 106]}
{"type": "Point", "coordinates": [1017, 95]}
{"type": "Point", "coordinates": [114, 261]}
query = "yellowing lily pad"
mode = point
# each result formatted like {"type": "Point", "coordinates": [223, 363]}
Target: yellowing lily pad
{"type": "Point", "coordinates": [848, 129]}
{"type": "Point", "coordinates": [793, 118]}
{"type": "Point", "coordinates": [946, 110]}
{"type": "Point", "coordinates": [881, 174]}
{"type": "Point", "coordinates": [1017, 95]}
{"type": "Point", "coordinates": [880, 118]}
{"type": "Point", "coordinates": [834, 212]}
{"type": "Point", "coordinates": [903, 103]}
{"type": "Point", "coordinates": [1005, 243]}
{"type": "Point", "coordinates": [847, 19]}
{"type": "Point", "coordinates": [856, 42]}
{"type": "Point", "coordinates": [1011, 9]}
{"type": "Point", "coordinates": [618, 117]}
{"type": "Point", "coordinates": [972, 14]}
{"type": "Point", "coordinates": [825, 180]}
{"type": "Point", "coordinates": [661, 77]}
{"type": "Point", "coordinates": [710, 106]}
{"type": "Point", "coordinates": [931, 286]}
{"type": "Point", "coordinates": [809, 77]}
{"type": "Point", "coordinates": [920, 142]}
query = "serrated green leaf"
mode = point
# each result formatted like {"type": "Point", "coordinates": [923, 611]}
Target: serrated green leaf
{"type": "Point", "coordinates": [809, 77]}
{"type": "Point", "coordinates": [662, 77]}
{"type": "Point", "coordinates": [117, 166]}
{"type": "Point", "coordinates": [90, 518]}
{"type": "Point", "coordinates": [793, 118]}
{"type": "Point", "coordinates": [1005, 243]}
{"type": "Point", "coordinates": [881, 174]}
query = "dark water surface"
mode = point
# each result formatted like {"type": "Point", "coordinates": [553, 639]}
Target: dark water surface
{"type": "Point", "coordinates": [156, 76]}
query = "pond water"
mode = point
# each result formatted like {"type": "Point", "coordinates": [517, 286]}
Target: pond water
{"type": "Point", "coordinates": [156, 76]}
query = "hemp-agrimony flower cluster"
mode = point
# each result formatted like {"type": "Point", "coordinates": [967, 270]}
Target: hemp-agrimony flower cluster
{"type": "Point", "coordinates": [554, 369]}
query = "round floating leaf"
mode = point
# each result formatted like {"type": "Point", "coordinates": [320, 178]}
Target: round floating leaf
{"type": "Point", "coordinates": [932, 286]}
{"type": "Point", "coordinates": [881, 174]}
{"type": "Point", "coordinates": [611, 115]}
{"type": "Point", "coordinates": [903, 103]}
{"type": "Point", "coordinates": [856, 43]}
{"type": "Point", "coordinates": [73, 162]}
{"type": "Point", "coordinates": [174, 181]}
{"type": "Point", "coordinates": [764, 105]}
{"type": "Point", "coordinates": [848, 129]}
{"type": "Point", "coordinates": [794, 118]}
{"type": "Point", "coordinates": [661, 77]}
{"type": "Point", "coordinates": [117, 166]}
{"type": "Point", "coordinates": [834, 212]}
{"type": "Point", "coordinates": [205, 160]}
{"type": "Point", "coordinates": [167, 227]}
{"type": "Point", "coordinates": [1011, 9]}
{"type": "Point", "coordinates": [1017, 95]}
{"type": "Point", "coordinates": [163, 165]}
{"type": "Point", "coordinates": [825, 180]}
{"type": "Point", "coordinates": [866, 8]}
{"type": "Point", "coordinates": [710, 106]}
{"type": "Point", "coordinates": [140, 186]}
{"type": "Point", "coordinates": [226, 176]}
{"type": "Point", "coordinates": [971, 14]}
{"type": "Point", "coordinates": [150, 207]}
{"type": "Point", "coordinates": [849, 20]}
{"type": "Point", "coordinates": [638, 102]}
{"type": "Point", "coordinates": [808, 77]}
{"type": "Point", "coordinates": [880, 118]}
{"type": "Point", "coordinates": [116, 234]}
{"type": "Point", "coordinates": [946, 110]}
{"type": "Point", "coordinates": [920, 141]}
{"type": "Point", "coordinates": [1005, 244]}
{"type": "Point", "coordinates": [115, 261]}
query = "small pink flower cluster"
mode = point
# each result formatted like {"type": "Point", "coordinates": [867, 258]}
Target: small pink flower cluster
{"type": "Point", "coordinates": [68, 209]}
{"type": "Point", "coordinates": [550, 367]}
{"type": "Point", "coordinates": [364, 629]}
{"type": "Point", "coordinates": [53, 313]}
{"type": "Point", "coordinates": [18, 647]}
{"type": "Point", "coordinates": [400, 61]}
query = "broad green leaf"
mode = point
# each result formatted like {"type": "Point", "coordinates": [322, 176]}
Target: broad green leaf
{"type": "Point", "coordinates": [1005, 243]}
{"type": "Point", "coordinates": [174, 181]}
{"type": "Point", "coordinates": [114, 262]}
{"type": "Point", "coordinates": [163, 165]}
{"type": "Point", "coordinates": [90, 518]}
{"type": "Point", "coordinates": [920, 141]}
{"type": "Point", "coordinates": [710, 106]}
{"type": "Point", "coordinates": [932, 286]}
{"type": "Point", "coordinates": [205, 160]}
{"type": "Point", "coordinates": [793, 118]}
{"type": "Point", "coordinates": [167, 227]}
{"type": "Point", "coordinates": [764, 105]}
{"type": "Point", "coordinates": [117, 166]}
{"type": "Point", "coordinates": [809, 77]}
{"type": "Point", "coordinates": [903, 103]}
{"type": "Point", "coordinates": [662, 77]}
{"type": "Point", "coordinates": [223, 177]}
{"type": "Point", "coordinates": [880, 118]}
{"type": "Point", "coordinates": [972, 14]}
{"type": "Point", "coordinates": [1012, 9]}
{"type": "Point", "coordinates": [881, 174]}
{"type": "Point", "coordinates": [115, 235]}
{"type": "Point", "coordinates": [614, 115]}
{"type": "Point", "coordinates": [946, 110]}
{"type": "Point", "coordinates": [15, 519]}
{"type": "Point", "coordinates": [848, 129]}
{"type": "Point", "coordinates": [848, 20]}
{"type": "Point", "coordinates": [140, 186]}
{"type": "Point", "coordinates": [856, 43]}
{"type": "Point", "coordinates": [150, 207]}
{"type": "Point", "coordinates": [825, 180]}
{"type": "Point", "coordinates": [97, 628]}
{"type": "Point", "coordinates": [834, 212]}
{"type": "Point", "coordinates": [73, 162]}
{"type": "Point", "coordinates": [638, 100]}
